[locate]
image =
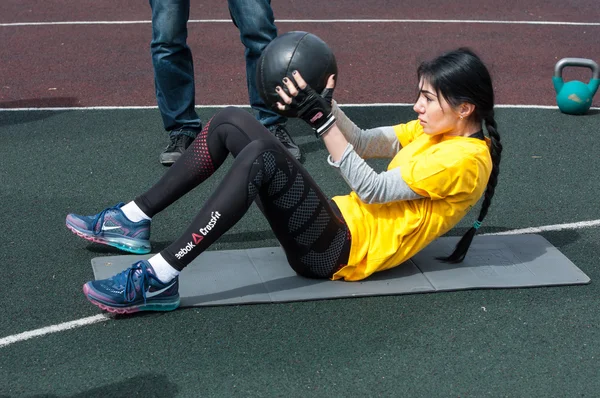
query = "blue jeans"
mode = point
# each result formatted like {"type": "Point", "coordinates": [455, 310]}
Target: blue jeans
{"type": "Point", "coordinates": [174, 68]}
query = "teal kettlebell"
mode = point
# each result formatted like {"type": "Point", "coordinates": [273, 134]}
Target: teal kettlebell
{"type": "Point", "coordinates": [575, 97]}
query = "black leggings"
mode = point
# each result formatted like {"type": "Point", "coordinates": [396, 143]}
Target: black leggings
{"type": "Point", "coordinates": [308, 225]}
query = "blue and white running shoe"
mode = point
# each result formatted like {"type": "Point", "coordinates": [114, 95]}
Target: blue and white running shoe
{"type": "Point", "coordinates": [135, 289]}
{"type": "Point", "coordinates": [111, 227]}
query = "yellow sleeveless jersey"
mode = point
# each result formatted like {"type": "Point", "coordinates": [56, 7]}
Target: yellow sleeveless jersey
{"type": "Point", "coordinates": [450, 172]}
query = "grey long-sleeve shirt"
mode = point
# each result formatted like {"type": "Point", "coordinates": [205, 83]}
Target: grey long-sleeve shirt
{"type": "Point", "coordinates": [381, 142]}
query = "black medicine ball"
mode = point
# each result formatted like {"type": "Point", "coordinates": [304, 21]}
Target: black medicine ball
{"type": "Point", "coordinates": [301, 51]}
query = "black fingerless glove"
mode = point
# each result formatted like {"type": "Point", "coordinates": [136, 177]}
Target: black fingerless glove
{"type": "Point", "coordinates": [315, 109]}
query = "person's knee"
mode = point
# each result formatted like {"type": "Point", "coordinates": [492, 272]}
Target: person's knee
{"type": "Point", "coordinates": [234, 128]}
{"type": "Point", "coordinates": [256, 25]}
{"type": "Point", "coordinates": [235, 116]}
{"type": "Point", "coordinates": [169, 25]}
{"type": "Point", "coordinates": [230, 113]}
{"type": "Point", "coordinates": [256, 40]}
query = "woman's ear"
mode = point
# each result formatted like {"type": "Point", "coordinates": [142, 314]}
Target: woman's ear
{"type": "Point", "coordinates": [465, 110]}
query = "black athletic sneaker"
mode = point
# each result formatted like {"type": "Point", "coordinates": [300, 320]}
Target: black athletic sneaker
{"type": "Point", "coordinates": [284, 137]}
{"type": "Point", "coordinates": [175, 149]}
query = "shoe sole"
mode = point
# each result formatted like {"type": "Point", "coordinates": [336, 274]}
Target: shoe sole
{"type": "Point", "coordinates": [168, 160]}
{"type": "Point", "coordinates": [152, 306]}
{"type": "Point", "coordinates": [167, 163]}
{"type": "Point", "coordinates": [121, 243]}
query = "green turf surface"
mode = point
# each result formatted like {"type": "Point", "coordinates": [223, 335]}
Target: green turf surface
{"type": "Point", "coordinates": [518, 342]}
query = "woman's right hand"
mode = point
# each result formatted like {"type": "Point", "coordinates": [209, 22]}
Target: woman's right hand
{"type": "Point", "coordinates": [313, 108]}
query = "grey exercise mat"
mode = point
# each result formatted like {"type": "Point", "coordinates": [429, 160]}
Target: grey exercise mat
{"type": "Point", "coordinates": [262, 275]}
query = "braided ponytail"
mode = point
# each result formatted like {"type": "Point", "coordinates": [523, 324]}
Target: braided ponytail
{"type": "Point", "coordinates": [463, 245]}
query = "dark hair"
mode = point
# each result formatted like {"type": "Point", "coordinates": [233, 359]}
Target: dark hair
{"type": "Point", "coordinates": [460, 76]}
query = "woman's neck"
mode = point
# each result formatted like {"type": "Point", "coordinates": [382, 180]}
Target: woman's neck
{"type": "Point", "coordinates": [465, 130]}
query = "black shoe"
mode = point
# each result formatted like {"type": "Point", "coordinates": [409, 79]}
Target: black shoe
{"type": "Point", "coordinates": [179, 143]}
{"type": "Point", "coordinates": [284, 137]}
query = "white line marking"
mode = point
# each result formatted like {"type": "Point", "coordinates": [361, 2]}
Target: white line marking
{"type": "Point", "coordinates": [111, 108]}
{"type": "Point", "coordinates": [52, 329]}
{"type": "Point", "coordinates": [101, 318]}
{"type": "Point", "coordinates": [281, 21]}
{"type": "Point", "coordinates": [544, 228]}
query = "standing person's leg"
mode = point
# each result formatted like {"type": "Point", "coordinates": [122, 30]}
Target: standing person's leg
{"type": "Point", "coordinates": [174, 75]}
{"type": "Point", "coordinates": [309, 226]}
{"type": "Point", "coordinates": [256, 22]}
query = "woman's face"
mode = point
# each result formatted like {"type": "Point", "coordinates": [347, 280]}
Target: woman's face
{"type": "Point", "coordinates": [435, 114]}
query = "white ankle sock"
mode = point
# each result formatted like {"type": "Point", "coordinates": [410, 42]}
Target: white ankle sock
{"type": "Point", "coordinates": [134, 213]}
{"type": "Point", "coordinates": [163, 270]}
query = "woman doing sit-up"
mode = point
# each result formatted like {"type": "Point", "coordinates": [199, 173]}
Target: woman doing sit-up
{"type": "Point", "coordinates": [441, 165]}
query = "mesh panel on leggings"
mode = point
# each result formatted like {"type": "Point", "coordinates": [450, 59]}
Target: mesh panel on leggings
{"type": "Point", "coordinates": [252, 189]}
{"type": "Point", "coordinates": [269, 165]}
{"type": "Point", "coordinates": [200, 161]}
{"type": "Point", "coordinates": [255, 183]}
{"type": "Point", "coordinates": [315, 229]}
{"type": "Point", "coordinates": [314, 240]}
{"type": "Point", "coordinates": [258, 178]}
{"type": "Point", "coordinates": [278, 183]}
{"type": "Point", "coordinates": [304, 212]}
{"type": "Point", "coordinates": [293, 195]}
{"type": "Point", "coordinates": [320, 262]}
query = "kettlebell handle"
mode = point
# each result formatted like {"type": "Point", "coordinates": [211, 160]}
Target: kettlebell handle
{"type": "Point", "coordinates": [588, 63]}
